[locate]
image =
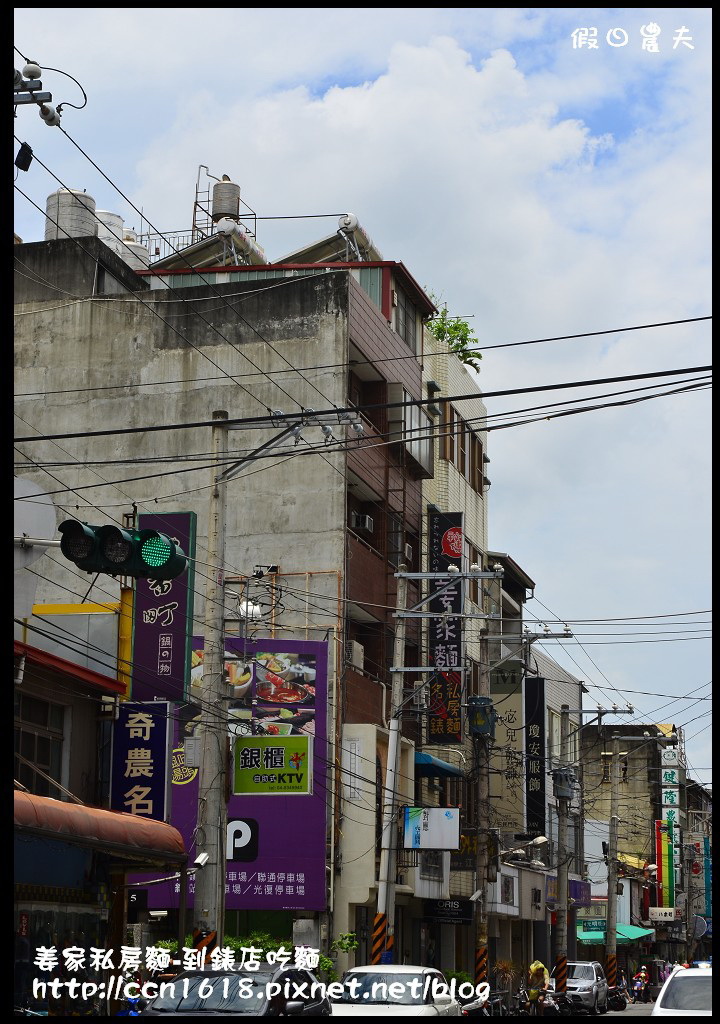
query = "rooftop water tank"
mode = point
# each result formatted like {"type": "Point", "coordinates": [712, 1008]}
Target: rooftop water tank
{"type": "Point", "coordinates": [110, 229]}
{"type": "Point", "coordinates": [225, 200]}
{"type": "Point", "coordinates": [247, 249]}
{"type": "Point", "coordinates": [69, 213]}
{"type": "Point", "coordinates": [133, 252]}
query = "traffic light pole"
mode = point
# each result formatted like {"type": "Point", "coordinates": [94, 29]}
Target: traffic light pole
{"type": "Point", "coordinates": [209, 912]}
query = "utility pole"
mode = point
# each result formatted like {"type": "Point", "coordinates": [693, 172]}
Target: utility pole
{"type": "Point", "coordinates": [612, 885]}
{"type": "Point", "coordinates": [212, 808]}
{"type": "Point", "coordinates": [383, 935]}
{"type": "Point", "coordinates": [563, 786]}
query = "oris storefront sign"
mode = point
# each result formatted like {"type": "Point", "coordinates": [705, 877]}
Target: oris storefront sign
{"type": "Point", "coordinates": [454, 911]}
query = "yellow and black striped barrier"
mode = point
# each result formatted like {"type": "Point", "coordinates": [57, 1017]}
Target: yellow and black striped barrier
{"type": "Point", "coordinates": [204, 940]}
{"type": "Point", "coordinates": [561, 973]}
{"type": "Point", "coordinates": [379, 938]}
{"type": "Point", "coordinates": [481, 965]}
{"type": "Point", "coordinates": [611, 969]}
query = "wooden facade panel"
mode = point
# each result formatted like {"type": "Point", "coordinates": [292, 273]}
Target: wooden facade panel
{"type": "Point", "coordinates": [364, 699]}
{"type": "Point", "coordinates": [367, 576]}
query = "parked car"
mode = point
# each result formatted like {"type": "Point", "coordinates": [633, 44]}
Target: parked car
{"type": "Point", "coordinates": [397, 990]}
{"type": "Point", "coordinates": [294, 991]}
{"type": "Point", "coordinates": [587, 987]}
{"type": "Point", "coordinates": [686, 993]}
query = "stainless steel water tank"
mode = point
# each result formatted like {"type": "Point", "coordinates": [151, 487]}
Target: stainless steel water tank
{"type": "Point", "coordinates": [69, 213]}
{"type": "Point", "coordinates": [225, 200]}
{"type": "Point", "coordinates": [110, 229]}
{"type": "Point", "coordinates": [133, 252]}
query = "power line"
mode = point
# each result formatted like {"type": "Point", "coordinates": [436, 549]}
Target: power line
{"type": "Point", "coordinates": [271, 419]}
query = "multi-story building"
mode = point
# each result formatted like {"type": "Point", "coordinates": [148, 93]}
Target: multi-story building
{"type": "Point", "coordinates": [652, 833]}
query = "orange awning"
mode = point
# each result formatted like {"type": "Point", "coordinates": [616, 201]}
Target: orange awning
{"type": "Point", "coordinates": [127, 836]}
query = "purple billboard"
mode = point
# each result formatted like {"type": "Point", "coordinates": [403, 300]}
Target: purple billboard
{"type": "Point", "coordinates": [162, 618]}
{"type": "Point", "coordinates": [276, 841]}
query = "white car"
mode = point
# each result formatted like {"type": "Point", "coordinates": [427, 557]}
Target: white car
{"type": "Point", "coordinates": [686, 993]}
{"type": "Point", "coordinates": [397, 990]}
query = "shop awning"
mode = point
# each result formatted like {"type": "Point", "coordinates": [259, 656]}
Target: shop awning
{"type": "Point", "coordinates": [426, 766]}
{"type": "Point", "coordinates": [126, 836]}
{"type": "Point", "coordinates": [624, 932]}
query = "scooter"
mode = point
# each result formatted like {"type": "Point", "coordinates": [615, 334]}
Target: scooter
{"type": "Point", "coordinates": [617, 999]}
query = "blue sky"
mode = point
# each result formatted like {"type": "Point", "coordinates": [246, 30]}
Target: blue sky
{"type": "Point", "coordinates": [543, 189]}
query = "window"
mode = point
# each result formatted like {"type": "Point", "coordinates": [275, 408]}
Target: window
{"type": "Point", "coordinates": [474, 557]}
{"type": "Point", "coordinates": [38, 740]}
{"type": "Point", "coordinates": [461, 446]}
{"type": "Point", "coordinates": [406, 318]}
{"type": "Point", "coordinates": [431, 864]}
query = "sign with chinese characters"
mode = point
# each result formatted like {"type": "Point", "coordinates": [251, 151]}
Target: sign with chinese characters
{"type": "Point", "coordinates": [162, 618]}
{"type": "Point", "coordinates": [265, 765]}
{"type": "Point", "coordinates": [431, 828]}
{"type": "Point", "coordinates": [664, 860]}
{"type": "Point", "coordinates": [507, 792]}
{"type": "Point", "coordinates": [670, 797]}
{"type": "Point", "coordinates": [594, 925]}
{"type": "Point", "coordinates": [595, 910]}
{"type": "Point", "coordinates": [139, 758]}
{"type": "Point", "coordinates": [276, 842]}
{"type": "Point", "coordinates": [445, 638]}
{"type": "Point", "coordinates": [669, 757]}
{"type": "Point", "coordinates": [535, 756]}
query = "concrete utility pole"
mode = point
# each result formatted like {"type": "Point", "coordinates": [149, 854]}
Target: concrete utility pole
{"type": "Point", "coordinates": [383, 935]}
{"type": "Point", "coordinates": [612, 885]}
{"type": "Point", "coordinates": [212, 808]}
{"type": "Point", "coordinates": [561, 910]}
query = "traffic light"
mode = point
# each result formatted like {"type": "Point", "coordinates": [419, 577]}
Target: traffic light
{"type": "Point", "coordinates": [144, 554]}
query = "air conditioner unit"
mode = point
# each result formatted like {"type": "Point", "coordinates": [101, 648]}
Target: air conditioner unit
{"type": "Point", "coordinates": [355, 654]}
{"type": "Point", "coordinates": [360, 522]}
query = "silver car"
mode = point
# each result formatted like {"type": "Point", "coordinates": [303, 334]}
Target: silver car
{"type": "Point", "coordinates": [587, 986]}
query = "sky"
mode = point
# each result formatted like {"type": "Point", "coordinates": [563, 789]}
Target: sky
{"type": "Point", "coordinates": [543, 172]}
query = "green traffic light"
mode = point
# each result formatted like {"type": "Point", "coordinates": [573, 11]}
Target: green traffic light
{"type": "Point", "coordinates": [156, 551]}
{"type": "Point", "coordinates": [143, 554]}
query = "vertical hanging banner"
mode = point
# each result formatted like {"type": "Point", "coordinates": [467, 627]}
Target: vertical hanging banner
{"type": "Point", "coordinates": [140, 779]}
{"type": "Point", "coordinates": [535, 756]}
{"type": "Point", "coordinates": [445, 637]}
{"type": "Point", "coordinates": [707, 874]}
{"type": "Point", "coordinates": [162, 618]}
{"type": "Point", "coordinates": [664, 861]}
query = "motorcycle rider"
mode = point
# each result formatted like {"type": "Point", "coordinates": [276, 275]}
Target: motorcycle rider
{"type": "Point", "coordinates": [642, 992]}
{"type": "Point", "coordinates": [538, 984]}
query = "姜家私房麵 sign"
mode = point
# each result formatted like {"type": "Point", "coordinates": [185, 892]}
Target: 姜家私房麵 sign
{"type": "Point", "coordinates": [445, 639]}
{"type": "Point", "coordinates": [266, 765]}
